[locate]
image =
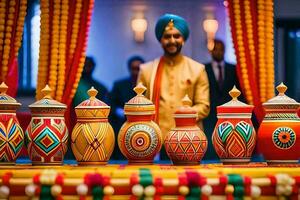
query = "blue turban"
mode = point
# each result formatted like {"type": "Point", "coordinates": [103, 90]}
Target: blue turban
{"type": "Point", "coordinates": [179, 23]}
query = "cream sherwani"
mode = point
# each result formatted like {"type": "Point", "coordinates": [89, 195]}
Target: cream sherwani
{"type": "Point", "coordinates": [180, 77]}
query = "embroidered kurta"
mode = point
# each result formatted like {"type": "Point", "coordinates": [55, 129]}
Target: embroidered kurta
{"type": "Point", "coordinates": [185, 76]}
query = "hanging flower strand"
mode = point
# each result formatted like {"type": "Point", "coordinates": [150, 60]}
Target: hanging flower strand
{"type": "Point", "coordinates": [261, 50]}
{"type": "Point", "coordinates": [62, 50]}
{"type": "Point", "coordinates": [269, 18]}
{"type": "Point", "coordinates": [8, 38]}
{"type": "Point", "coordinates": [44, 48]}
{"type": "Point", "coordinates": [54, 47]}
{"type": "Point", "coordinates": [20, 25]}
{"type": "Point", "coordinates": [75, 27]}
{"type": "Point", "coordinates": [242, 55]}
{"type": "Point", "coordinates": [2, 26]}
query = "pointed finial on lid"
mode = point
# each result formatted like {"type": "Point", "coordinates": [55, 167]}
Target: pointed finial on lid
{"type": "Point", "coordinates": [186, 101]}
{"type": "Point", "coordinates": [234, 93]}
{"type": "Point", "coordinates": [3, 88]}
{"type": "Point", "coordinates": [92, 93]}
{"type": "Point", "coordinates": [47, 92]}
{"type": "Point", "coordinates": [281, 88]}
{"type": "Point", "coordinates": [139, 89]}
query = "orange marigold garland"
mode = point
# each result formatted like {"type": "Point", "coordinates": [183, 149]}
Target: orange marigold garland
{"type": "Point", "coordinates": [269, 33]}
{"type": "Point", "coordinates": [75, 27]}
{"type": "Point", "coordinates": [2, 26]}
{"type": "Point", "coordinates": [261, 50]}
{"type": "Point", "coordinates": [20, 25]}
{"type": "Point", "coordinates": [44, 49]}
{"type": "Point", "coordinates": [8, 38]}
{"type": "Point", "coordinates": [242, 56]}
{"type": "Point", "coordinates": [54, 46]}
{"type": "Point", "coordinates": [250, 38]}
{"type": "Point", "coordinates": [62, 50]}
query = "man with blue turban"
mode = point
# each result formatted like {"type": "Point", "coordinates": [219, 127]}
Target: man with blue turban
{"type": "Point", "coordinates": [169, 78]}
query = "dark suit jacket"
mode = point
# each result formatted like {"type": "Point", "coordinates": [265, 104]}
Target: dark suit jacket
{"type": "Point", "coordinates": [121, 93]}
{"type": "Point", "coordinates": [218, 96]}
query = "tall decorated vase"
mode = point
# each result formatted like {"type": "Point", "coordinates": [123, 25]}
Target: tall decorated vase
{"type": "Point", "coordinates": [93, 138]}
{"type": "Point", "coordinates": [186, 144]}
{"type": "Point", "coordinates": [234, 136]}
{"type": "Point", "coordinates": [139, 138]}
{"type": "Point", "coordinates": [46, 135]}
{"type": "Point", "coordinates": [11, 133]}
{"type": "Point", "coordinates": [279, 132]}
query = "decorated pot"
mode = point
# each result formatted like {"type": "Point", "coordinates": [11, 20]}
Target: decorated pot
{"type": "Point", "coordinates": [11, 133]}
{"type": "Point", "coordinates": [234, 136]}
{"type": "Point", "coordinates": [279, 132]}
{"type": "Point", "coordinates": [186, 144]}
{"type": "Point", "coordinates": [93, 138]}
{"type": "Point", "coordinates": [46, 135]}
{"type": "Point", "coordinates": [139, 138]}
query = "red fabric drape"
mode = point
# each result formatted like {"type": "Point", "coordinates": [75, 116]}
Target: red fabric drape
{"type": "Point", "coordinates": [251, 23]}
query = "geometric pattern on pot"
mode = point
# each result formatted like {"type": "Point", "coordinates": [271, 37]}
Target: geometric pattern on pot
{"type": "Point", "coordinates": [238, 141]}
{"type": "Point", "coordinates": [284, 137]}
{"type": "Point", "coordinates": [47, 141]}
{"type": "Point", "coordinates": [15, 137]}
{"type": "Point", "coordinates": [243, 128]}
{"type": "Point", "coordinates": [11, 138]}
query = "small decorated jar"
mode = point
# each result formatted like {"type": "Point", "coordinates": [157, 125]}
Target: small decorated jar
{"type": "Point", "coordinates": [279, 132]}
{"type": "Point", "coordinates": [234, 137]}
{"type": "Point", "coordinates": [139, 138]}
{"type": "Point", "coordinates": [11, 133]}
{"type": "Point", "coordinates": [186, 144]}
{"type": "Point", "coordinates": [46, 136]}
{"type": "Point", "coordinates": [93, 138]}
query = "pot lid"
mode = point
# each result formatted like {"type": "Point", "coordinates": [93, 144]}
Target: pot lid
{"type": "Point", "coordinates": [234, 106]}
{"type": "Point", "coordinates": [47, 101]}
{"type": "Point", "coordinates": [92, 102]}
{"type": "Point", "coordinates": [139, 105]}
{"type": "Point", "coordinates": [186, 109]}
{"type": "Point", "coordinates": [5, 99]}
{"type": "Point", "coordinates": [281, 99]}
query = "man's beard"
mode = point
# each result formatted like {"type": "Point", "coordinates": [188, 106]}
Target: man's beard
{"type": "Point", "coordinates": [171, 54]}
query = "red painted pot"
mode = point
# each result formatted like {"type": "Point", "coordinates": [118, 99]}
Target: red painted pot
{"type": "Point", "coordinates": [139, 138]}
{"type": "Point", "coordinates": [46, 136]}
{"type": "Point", "coordinates": [279, 132]}
{"type": "Point", "coordinates": [234, 137]}
{"type": "Point", "coordinates": [186, 144]}
{"type": "Point", "coordinates": [11, 133]}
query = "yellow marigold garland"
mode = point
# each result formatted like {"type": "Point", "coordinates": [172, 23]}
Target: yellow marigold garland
{"type": "Point", "coordinates": [54, 48]}
{"type": "Point", "coordinates": [8, 38]}
{"type": "Point", "coordinates": [44, 49]}
{"type": "Point", "coordinates": [62, 50]}
{"type": "Point", "coordinates": [269, 53]}
{"type": "Point", "coordinates": [2, 24]}
{"type": "Point", "coordinates": [248, 22]}
{"type": "Point", "coordinates": [261, 50]}
{"type": "Point", "coordinates": [75, 27]}
{"type": "Point", "coordinates": [242, 56]}
{"type": "Point", "coordinates": [20, 25]}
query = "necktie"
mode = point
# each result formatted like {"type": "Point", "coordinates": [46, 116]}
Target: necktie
{"type": "Point", "coordinates": [220, 78]}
